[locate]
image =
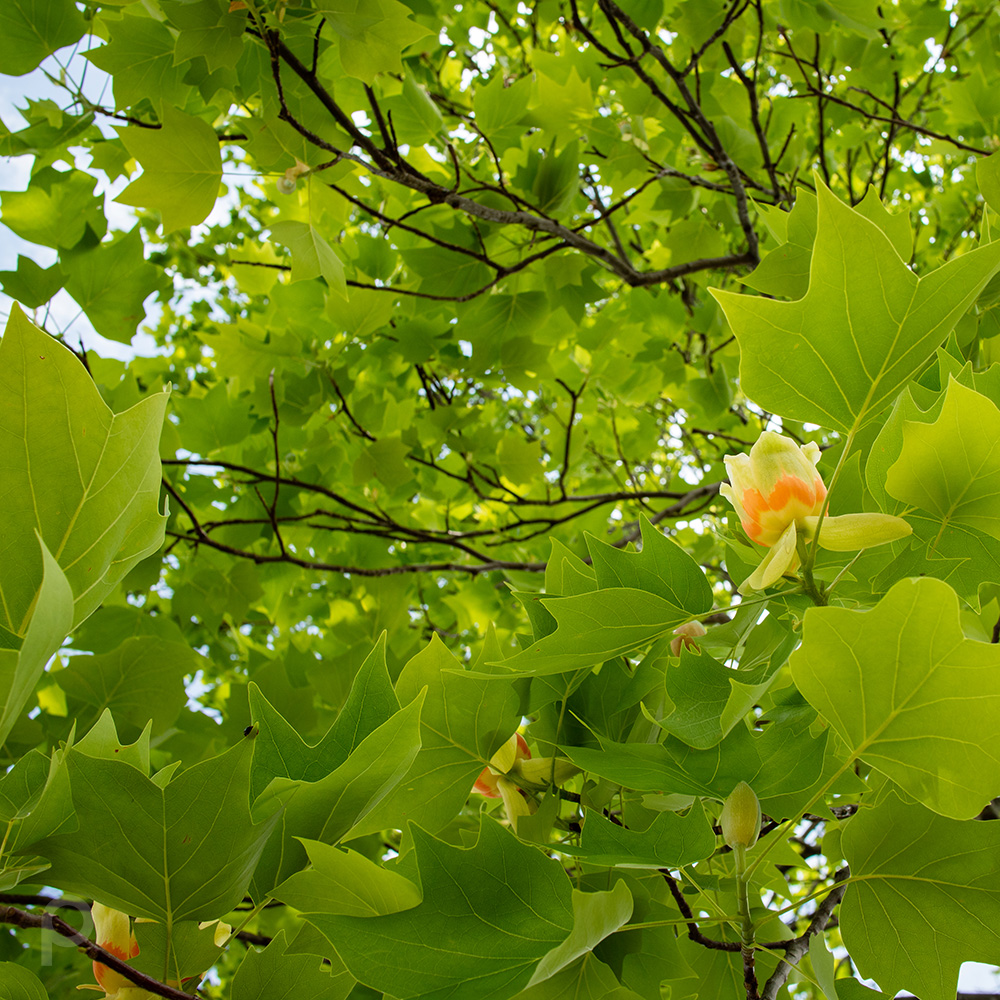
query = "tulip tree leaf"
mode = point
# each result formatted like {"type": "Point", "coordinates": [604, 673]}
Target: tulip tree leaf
{"type": "Point", "coordinates": [660, 567]}
{"type": "Point", "coordinates": [55, 210]}
{"type": "Point", "coordinates": [644, 595]}
{"type": "Point", "coordinates": [35, 800]}
{"type": "Point", "coordinates": [670, 841]}
{"type": "Point", "coordinates": [371, 36]}
{"type": "Point", "coordinates": [908, 693]}
{"type": "Point", "coordinates": [933, 880]}
{"type": "Point", "coordinates": [275, 974]}
{"type": "Point", "coordinates": [465, 720]}
{"type": "Point", "coordinates": [140, 680]}
{"type": "Point", "coordinates": [184, 851]}
{"type": "Point", "coordinates": [312, 255]}
{"type": "Point", "coordinates": [20, 983]}
{"type": "Point", "coordinates": [279, 751]}
{"type": "Point", "coordinates": [594, 627]}
{"type": "Point", "coordinates": [50, 621]}
{"type": "Point", "coordinates": [30, 30]}
{"type": "Point", "coordinates": [596, 915]}
{"type": "Point", "coordinates": [346, 883]}
{"type": "Point", "coordinates": [961, 554]}
{"type": "Point", "coordinates": [709, 699]}
{"type": "Point", "coordinates": [951, 467]}
{"type": "Point", "coordinates": [329, 808]}
{"type": "Point", "coordinates": [866, 325]}
{"type": "Point", "coordinates": [182, 169]}
{"type": "Point", "coordinates": [90, 478]}
{"type": "Point", "coordinates": [588, 978]}
{"type": "Point", "coordinates": [140, 59]}
{"type": "Point", "coordinates": [488, 916]}
{"type": "Point", "coordinates": [780, 764]}
{"type": "Point", "coordinates": [110, 282]}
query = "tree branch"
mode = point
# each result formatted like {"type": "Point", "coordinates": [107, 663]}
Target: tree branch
{"type": "Point", "coordinates": [49, 921]}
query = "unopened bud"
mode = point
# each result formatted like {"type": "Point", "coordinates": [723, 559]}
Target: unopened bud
{"type": "Point", "coordinates": [684, 637]}
{"type": "Point", "coordinates": [740, 817]}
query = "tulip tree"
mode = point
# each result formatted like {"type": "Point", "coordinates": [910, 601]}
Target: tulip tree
{"type": "Point", "coordinates": [543, 540]}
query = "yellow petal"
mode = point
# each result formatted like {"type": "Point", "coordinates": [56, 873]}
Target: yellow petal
{"type": "Point", "coordinates": [780, 560]}
{"type": "Point", "coordinates": [850, 532]}
{"type": "Point", "coordinates": [514, 803]}
{"type": "Point", "coordinates": [503, 760]}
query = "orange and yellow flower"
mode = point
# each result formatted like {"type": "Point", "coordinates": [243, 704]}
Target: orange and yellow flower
{"type": "Point", "coordinates": [778, 495]}
{"type": "Point", "coordinates": [113, 932]}
{"type": "Point", "coordinates": [776, 484]}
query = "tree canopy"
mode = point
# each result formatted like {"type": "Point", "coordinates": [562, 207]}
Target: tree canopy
{"type": "Point", "coordinates": [594, 402]}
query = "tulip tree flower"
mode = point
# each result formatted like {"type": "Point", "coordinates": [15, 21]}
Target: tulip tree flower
{"type": "Point", "coordinates": [779, 497]}
{"type": "Point", "coordinates": [494, 783]}
{"type": "Point", "coordinates": [113, 932]}
{"type": "Point", "coordinates": [512, 758]}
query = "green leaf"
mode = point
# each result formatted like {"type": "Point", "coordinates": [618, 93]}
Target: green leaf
{"type": "Point", "coordinates": [596, 626]}
{"type": "Point", "coordinates": [709, 699]}
{"type": "Point", "coordinates": [372, 34]}
{"type": "Point", "coordinates": [328, 808]}
{"type": "Point", "coordinates": [209, 30]}
{"type": "Point", "coordinates": [670, 841]}
{"type": "Point", "coordinates": [30, 30]}
{"type": "Point", "coordinates": [933, 881]}
{"type": "Point", "coordinates": [312, 256]}
{"type": "Point", "coordinates": [988, 179]}
{"type": "Point", "coordinates": [279, 751]}
{"type": "Point", "coordinates": [908, 693]}
{"type": "Point", "coordinates": [866, 325]}
{"type": "Point", "coordinates": [951, 466]}
{"type": "Point", "coordinates": [35, 801]}
{"type": "Point", "coordinates": [18, 983]}
{"type": "Point", "coordinates": [182, 169]}
{"type": "Point", "coordinates": [30, 284]}
{"type": "Point", "coordinates": [586, 979]}
{"type": "Point", "coordinates": [498, 104]}
{"type": "Point", "coordinates": [896, 226]}
{"type": "Point", "coordinates": [596, 915]}
{"type": "Point", "coordinates": [110, 282]}
{"type": "Point", "coordinates": [140, 60]}
{"type": "Point", "coordinates": [464, 722]}
{"type": "Point", "coordinates": [89, 479]}
{"type": "Point", "coordinates": [275, 974]}
{"type": "Point", "coordinates": [56, 209]}
{"type": "Point", "coordinates": [346, 883]}
{"type": "Point", "coordinates": [183, 851]}
{"type": "Point", "coordinates": [50, 620]}
{"type": "Point", "coordinates": [660, 567]}
{"type": "Point", "coordinates": [780, 764]}
{"type": "Point", "coordinates": [488, 916]}
{"type": "Point", "coordinates": [141, 680]}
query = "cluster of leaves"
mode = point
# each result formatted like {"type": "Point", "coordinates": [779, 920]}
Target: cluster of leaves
{"type": "Point", "coordinates": [459, 307]}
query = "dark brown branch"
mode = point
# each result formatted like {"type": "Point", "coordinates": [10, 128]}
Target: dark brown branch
{"type": "Point", "coordinates": [49, 921]}
{"type": "Point", "coordinates": [796, 949]}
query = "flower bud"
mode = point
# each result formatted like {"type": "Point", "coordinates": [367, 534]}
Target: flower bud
{"type": "Point", "coordinates": [685, 636]}
{"type": "Point", "coordinates": [740, 817]}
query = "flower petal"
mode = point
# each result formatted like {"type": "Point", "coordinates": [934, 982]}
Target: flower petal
{"type": "Point", "coordinates": [782, 559]}
{"type": "Point", "coordinates": [850, 532]}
